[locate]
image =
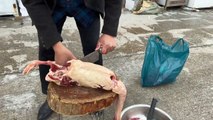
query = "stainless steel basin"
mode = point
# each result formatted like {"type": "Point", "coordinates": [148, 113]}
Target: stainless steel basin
{"type": "Point", "coordinates": [140, 111]}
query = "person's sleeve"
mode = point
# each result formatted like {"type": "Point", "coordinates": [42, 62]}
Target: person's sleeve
{"type": "Point", "coordinates": [41, 17]}
{"type": "Point", "coordinates": [111, 18]}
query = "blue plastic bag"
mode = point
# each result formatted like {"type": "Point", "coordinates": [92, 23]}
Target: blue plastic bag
{"type": "Point", "coordinates": [162, 62]}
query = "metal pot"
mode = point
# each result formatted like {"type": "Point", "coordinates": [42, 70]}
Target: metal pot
{"type": "Point", "coordinates": [140, 111]}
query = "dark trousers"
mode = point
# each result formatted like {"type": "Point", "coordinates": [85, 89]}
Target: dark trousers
{"type": "Point", "coordinates": [89, 36]}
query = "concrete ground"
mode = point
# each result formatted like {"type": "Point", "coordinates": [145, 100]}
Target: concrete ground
{"type": "Point", "coordinates": [189, 98]}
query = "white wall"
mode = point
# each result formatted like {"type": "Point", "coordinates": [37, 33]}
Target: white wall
{"type": "Point", "coordinates": [200, 3]}
{"type": "Point", "coordinates": [6, 7]}
{"type": "Point", "coordinates": [22, 9]}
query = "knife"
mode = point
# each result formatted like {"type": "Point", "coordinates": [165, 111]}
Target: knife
{"type": "Point", "coordinates": [92, 57]}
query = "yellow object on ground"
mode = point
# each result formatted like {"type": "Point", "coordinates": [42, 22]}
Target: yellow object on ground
{"type": "Point", "coordinates": [148, 7]}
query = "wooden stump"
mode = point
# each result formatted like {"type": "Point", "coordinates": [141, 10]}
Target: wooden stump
{"type": "Point", "coordinates": [75, 100]}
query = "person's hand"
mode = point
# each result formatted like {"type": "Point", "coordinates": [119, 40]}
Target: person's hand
{"type": "Point", "coordinates": [107, 43]}
{"type": "Point", "coordinates": [62, 54]}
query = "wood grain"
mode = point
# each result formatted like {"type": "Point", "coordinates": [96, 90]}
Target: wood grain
{"type": "Point", "coordinates": [75, 100]}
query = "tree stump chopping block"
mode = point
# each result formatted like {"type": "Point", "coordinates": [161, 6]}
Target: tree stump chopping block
{"type": "Point", "coordinates": [76, 100]}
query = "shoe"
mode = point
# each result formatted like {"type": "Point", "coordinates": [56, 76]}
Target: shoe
{"type": "Point", "coordinates": [44, 112]}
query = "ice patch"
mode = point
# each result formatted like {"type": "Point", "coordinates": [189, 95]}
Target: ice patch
{"type": "Point", "coordinates": [30, 30]}
{"type": "Point", "coordinates": [10, 67]}
{"type": "Point", "coordinates": [169, 20]}
{"type": "Point", "coordinates": [186, 70]}
{"type": "Point", "coordinates": [207, 42]}
{"type": "Point", "coordinates": [34, 73]}
{"type": "Point", "coordinates": [9, 79]}
{"type": "Point", "coordinates": [4, 26]}
{"type": "Point", "coordinates": [17, 102]}
{"type": "Point", "coordinates": [191, 18]}
{"type": "Point", "coordinates": [27, 43]}
{"type": "Point", "coordinates": [142, 20]}
{"type": "Point", "coordinates": [12, 50]}
{"type": "Point", "coordinates": [208, 27]}
{"type": "Point", "coordinates": [19, 58]}
{"type": "Point", "coordinates": [206, 50]}
{"type": "Point", "coordinates": [178, 33]}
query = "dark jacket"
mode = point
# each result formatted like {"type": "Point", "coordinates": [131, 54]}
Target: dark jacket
{"type": "Point", "coordinates": [40, 13]}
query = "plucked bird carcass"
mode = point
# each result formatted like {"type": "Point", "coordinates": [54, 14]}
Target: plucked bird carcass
{"type": "Point", "coordinates": [85, 74]}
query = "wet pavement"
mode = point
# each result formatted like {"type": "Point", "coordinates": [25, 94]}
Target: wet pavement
{"type": "Point", "coordinates": [189, 98]}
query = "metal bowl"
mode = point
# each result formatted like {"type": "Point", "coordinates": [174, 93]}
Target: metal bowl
{"type": "Point", "coordinates": [140, 111]}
